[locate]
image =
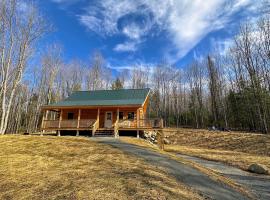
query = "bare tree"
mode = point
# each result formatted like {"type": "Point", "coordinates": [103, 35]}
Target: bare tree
{"type": "Point", "coordinates": [19, 30]}
{"type": "Point", "coordinates": [99, 75]}
{"type": "Point", "coordinates": [140, 77]}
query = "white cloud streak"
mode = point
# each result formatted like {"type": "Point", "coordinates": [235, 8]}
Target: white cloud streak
{"type": "Point", "coordinates": [127, 46]}
{"type": "Point", "coordinates": [185, 22]}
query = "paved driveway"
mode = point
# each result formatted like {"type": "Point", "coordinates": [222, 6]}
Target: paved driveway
{"type": "Point", "coordinates": [186, 174]}
{"type": "Point", "coordinates": [258, 184]}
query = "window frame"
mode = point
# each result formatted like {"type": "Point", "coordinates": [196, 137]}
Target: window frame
{"type": "Point", "coordinates": [121, 117]}
{"type": "Point", "coordinates": [132, 114]}
{"type": "Point", "coordinates": [109, 116]}
{"type": "Point", "coordinates": [68, 115]}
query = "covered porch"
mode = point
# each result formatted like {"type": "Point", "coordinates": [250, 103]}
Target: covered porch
{"type": "Point", "coordinates": [97, 119]}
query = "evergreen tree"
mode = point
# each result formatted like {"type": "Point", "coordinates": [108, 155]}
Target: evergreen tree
{"type": "Point", "coordinates": [117, 84]}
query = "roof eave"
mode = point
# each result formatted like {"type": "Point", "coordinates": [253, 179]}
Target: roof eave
{"type": "Point", "coordinates": [146, 98]}
{"type": "Point", "coordinates": [46, 107]}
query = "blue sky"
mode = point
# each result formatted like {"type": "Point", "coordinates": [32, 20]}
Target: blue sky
{"type": "Point", "coordinates": [145, 32]}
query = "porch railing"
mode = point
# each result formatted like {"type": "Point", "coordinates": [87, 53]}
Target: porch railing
{"type": "Point", "coordinates": [86, 123]}
{"type": "Point", "coordinates": [151, 123]}
{"type": "Point", "coordinates": [141, 123]}
{"type": "Point", "coordinates": [95, 126]}
{"type": "Point", "coordinates": [116, 127]}
{"type": "Point", "coordinates": [83, 123]}
{"type": "Point", "coordinates": [50, 124]}
{"type": "Point", "coordinates": [69, 123]}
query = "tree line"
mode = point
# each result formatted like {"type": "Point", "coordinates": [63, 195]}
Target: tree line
{"type": "Point", "coordinates": [228, 90]}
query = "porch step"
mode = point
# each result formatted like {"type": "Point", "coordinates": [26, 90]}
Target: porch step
{"type": "Point", "coordinates": [104, 133]}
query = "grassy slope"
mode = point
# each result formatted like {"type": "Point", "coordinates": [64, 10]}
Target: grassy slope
{"type": "Point", "coordinates": [35, 167]}
{"type": "Point", "coordinates": [234, 148]}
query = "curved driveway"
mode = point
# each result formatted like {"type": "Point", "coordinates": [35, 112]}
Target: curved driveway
{"type": "Point", "coordinates": [258, 184]}
{"type": "Point", "coordinates": [186, 174]}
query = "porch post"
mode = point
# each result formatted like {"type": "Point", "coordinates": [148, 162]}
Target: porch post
{"type": "Point", "coordinates": [78, 123]}
{"type": "Point", "coordinates": [94, 128]}
{"type": "Point", "coordinates": [116, 123]}
{"type": "Point", "coordinates": [98, 114]}
{"type": "Point", "coordinates": [138, 118]}
{"type": "Point", "coordinates": [138, 122]}
{"type": "Point", "coordinates": [60, 120]}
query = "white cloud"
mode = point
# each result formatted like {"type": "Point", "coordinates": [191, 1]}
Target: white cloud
{"type": "Point", "coordinates": [59, 1]}
{"type": "Point", "coordinates": [92, 22]}
{"type": "Point", "coordinates": [139, 64]}
{"type": "Point", "coordinates": [25, 7]}
{"type": "Point", "coordinates": [64, 1]}
{"type": "Point", "coordinates": [222, 46]}
{"type": "Point", "coordinates": [186, 22]}
{"type": "Point", "coordinates": [109, 12]}
{"type": "Point", "coordinates": [132, 31]}
{"type": "Point", "coordinates": [127, 46]}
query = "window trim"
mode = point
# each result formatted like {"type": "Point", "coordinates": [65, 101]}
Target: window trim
{"type": "Point", "coordinates": [69, 114]}
{"type": "Point", "coordinates": [133, 115]}
{"type": "Point", "coordinates": [122, 115]}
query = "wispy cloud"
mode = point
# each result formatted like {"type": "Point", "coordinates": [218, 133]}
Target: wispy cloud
{"type": "Point", "coordinates": [127, 46]}
{"type": "Point", "coordinates": [139, 64]}
{"type": "Point", "coordinates": [222, 46]}
{"type": "Point", "coordinates": [64, 1]}
{"type": "Point", "coordinates": [185, 22]}
{"type": "Point", "coordinates": [23, 6]}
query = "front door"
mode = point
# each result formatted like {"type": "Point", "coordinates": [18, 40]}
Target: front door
{"type": "Point", "coordinates": [108, 120]}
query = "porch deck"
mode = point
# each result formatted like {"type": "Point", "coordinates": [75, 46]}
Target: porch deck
{"type": "Point", "coordinates": [93, 124]}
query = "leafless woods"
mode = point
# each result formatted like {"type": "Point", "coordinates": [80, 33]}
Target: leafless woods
{"type": "Point", "coordinates": [225, 90]}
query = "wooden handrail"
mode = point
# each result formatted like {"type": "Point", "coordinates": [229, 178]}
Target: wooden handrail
{"type": "Point", "coordinates": [94, 123]}
{"type": "Point", "coordinates": [142, 123]}
{"type": "Point", "coordinates": [50, 123]}
{"type": "Point", "coordinates": [67, 123]}
{"type": "Point", "coordinates": [116, 127]}
{"type": "Point", "coordinates": [74, 123]}
{"type": "Point", "coordinates": [95, 126]}
{"type": "Point", "coordinates": [86, 123]}
{"type": "Point", "coordinates": [130, 123]}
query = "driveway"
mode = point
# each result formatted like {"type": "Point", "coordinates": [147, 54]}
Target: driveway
{"type": "Point", "coordinates": [257, 184]}
{"type": "Point", "coordinates": [186, 174]}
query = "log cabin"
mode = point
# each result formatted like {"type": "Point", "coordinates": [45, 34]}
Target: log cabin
{"type": "Point", "coordinates": [101, 113]}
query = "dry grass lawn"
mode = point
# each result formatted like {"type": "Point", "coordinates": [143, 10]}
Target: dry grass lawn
{"type": "Point", "coordinates": [234, 148]}
{"type": "Point", "coordinates": [34, 167]}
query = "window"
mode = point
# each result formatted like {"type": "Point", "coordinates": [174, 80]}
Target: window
{"type": "Point", "coordinates": [121, 115]}
{"type": "Point", "coordinates": [70, 115]}
{"type": "Point", "coordinates": [131, 115]}
{"type": "Point", "coordinates": [109, 116]}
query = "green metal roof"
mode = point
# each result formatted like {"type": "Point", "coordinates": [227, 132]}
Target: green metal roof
{"type": "Point", "coordinates": [105, 98]}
